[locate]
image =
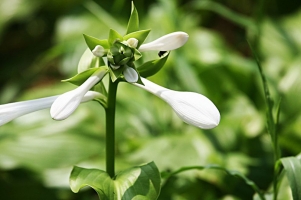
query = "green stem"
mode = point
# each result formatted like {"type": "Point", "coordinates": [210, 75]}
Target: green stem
{"type": "Point", "coordinates": [110, 128]}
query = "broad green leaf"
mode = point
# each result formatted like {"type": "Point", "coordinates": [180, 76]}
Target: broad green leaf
{"type": "Point", "coordinates": [217, 167]}
{"type": "Point", "coordinates": [139, 35]}
{"type": "Point", "coordinates": [88, 60]}
{"type": "Point", "coordinates": [78, 79]}
{"type": "Point", "coordinates": [292, 168]}
{"type": "Point", "coordinates": [152, 67]}
{"type": "Point", "coordinates": [141, 182]}
{"type": "Point", "coordinates": [113, 36]}
{"type": "Point", "coordinates": [99, 180]}
{"type": "Point", "coordinates": [92, 42]}
{"type": "Point", "coordinates": [133, 24]}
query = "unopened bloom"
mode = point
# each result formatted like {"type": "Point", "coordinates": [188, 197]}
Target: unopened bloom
{"type": "Point", "coordinates": [67, 103]}
{"type": "Point", "coordinates": [98, 51]}
{"type": "Point", "coordinates": [193, 108]}
{"type": "Point", "coordinates": [11, 111]}
{"type": "Point", "coordinates": [166, 43]}
{"type": "Point", "coordinates": [132, 42]}
{"type": "Point", "coordinates": [130, 75]}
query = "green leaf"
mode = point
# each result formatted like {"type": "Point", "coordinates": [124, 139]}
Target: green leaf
{"type": "Point", "coordinates": [88, 60]}
{"type": "Point", "coordinates": [78, 79]}
{"type": "Point", "coordinates": [292, 168]}
{"type": "Point", "coordinates": [152, 67]}
{"type": "Point", "coordinates": [217, 167]}
{"type": "Point", "coordinates": [99, 180]}
{"type": "Point", "coordinates": [139, 35]}
{"type": "Point", "coordinates": [92, 42]}
{"type": "Point", "coordinates": [133, 24]}
{"type": "Point", "coordinates": [113, 36]}
{"type": "Point", "coordinates": [141, 182]}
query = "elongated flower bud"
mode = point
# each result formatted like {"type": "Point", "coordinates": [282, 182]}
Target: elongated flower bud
{"type": "Point", "coordinates": [193, 108]}
{"type": "Point", "coordinates": [166, 43]}
{"type": "Point", "coordinates": [67, 103]}
{"type": "Point", "coordinates": [11, 111]}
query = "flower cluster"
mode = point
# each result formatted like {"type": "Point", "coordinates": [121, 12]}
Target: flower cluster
{"type": "Point", "coordinates": [192, 108]}
{"type": "Point", "coordinates": [121, 53]}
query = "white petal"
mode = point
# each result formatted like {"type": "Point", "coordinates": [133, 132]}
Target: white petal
{"type": "Point", "coordinates": [193, 108]}
{"type": "Point", "coordinates": [130, 75]}
{"type": "Point", "coordinates": [166, 43]}
{"type": "Point", "coordinates": [98, 51]}
{"type": "Point", "coordinates": [67, 103]}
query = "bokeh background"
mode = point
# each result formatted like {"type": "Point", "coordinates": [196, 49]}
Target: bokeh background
{"type": "Point", "coordinates": [41, 43]}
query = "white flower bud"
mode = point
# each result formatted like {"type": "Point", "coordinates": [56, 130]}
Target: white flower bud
{"type": "Point", "coordinates": [11, 111]}
{"type": "Point", "coordinates": [115, 66]}
{"type": "Point", "coordinates": [193, 108]}
{"type": "Point", "coordinates": [130, 75]}
{"type": "Point", "coordinates": [67, 103]}
{"type": "Point", "coordinates": [166, 43]}
{"type": "Point", "coordinates": [98, 51]}
{"type": "Point", "coordinates": [132, 42]}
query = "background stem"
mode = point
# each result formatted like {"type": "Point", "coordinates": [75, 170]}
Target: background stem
{"type": "Point", "coordinates": [110, 128]}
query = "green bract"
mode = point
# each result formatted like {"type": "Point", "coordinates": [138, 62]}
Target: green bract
{"type": "Point", "coordinates": [133, 24]}
{"type": "Point", "coordinates": [152, 67]}
{"type": "Point", "coordinates": [139, 35]}
{"type": "Point", "coordinates": [92, 42]}
{"type": "Point", "coordinates": [81, 77]}
{"type": "Point", "coordinates": [142, 182]}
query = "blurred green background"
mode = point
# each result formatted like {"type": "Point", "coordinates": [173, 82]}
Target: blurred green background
{"type": "Point", "coordinates": [41, 43]}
